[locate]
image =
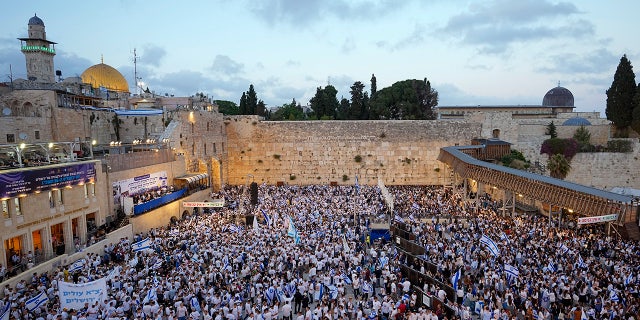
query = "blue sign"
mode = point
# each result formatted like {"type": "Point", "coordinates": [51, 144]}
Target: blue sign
{"type": "Point", "coordinates": [27, 181]}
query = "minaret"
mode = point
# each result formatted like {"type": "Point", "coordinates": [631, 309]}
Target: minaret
{"type": "Point", "coordinates": [38, 52]}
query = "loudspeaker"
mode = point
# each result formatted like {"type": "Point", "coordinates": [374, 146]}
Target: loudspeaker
{"type": "Point", "coordinates": [254, 193]}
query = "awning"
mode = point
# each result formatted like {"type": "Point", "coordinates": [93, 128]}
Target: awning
{"type": "Point", "coordinates": [194, 178]}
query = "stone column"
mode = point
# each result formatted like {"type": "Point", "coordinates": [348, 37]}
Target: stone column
{"type": "Point", "coordinates": [82, 228]}
{"type": "Point", "coordinates": [68, 236]}
{"type": "Point", "coordinates": [47, 246]}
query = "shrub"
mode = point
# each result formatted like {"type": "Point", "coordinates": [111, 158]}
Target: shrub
{"type": "Point", "coordinates": [276, 156]}
{"type": "Point", "coordinates": [345, 177]}
{"type": "Point", "coordinates": [358, 158]}
{"type": "Point", "coordinates": [619, 146]}
{"type": "Point", "coordinates": [566, 147]}
{"type": "Point", "coordinates": [292, 177]}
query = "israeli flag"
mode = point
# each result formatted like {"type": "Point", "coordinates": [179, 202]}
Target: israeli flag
{"type": "Point", "coordinates": [77, 266]}
{"type": "Point", "coordinates": [280, 295]}
{"type": "Point", "coordinates": [290, 288]}
{"type": "Point", "coordinates": [456, 277]}
{"type": "Point", "coordinates": [291, 230]}
{"type": "Point", "coordinates": [367, 287]}
{"type": "Point", "coordinates": [581, 263]}
{"type": "Point", "coordinates": [478, 307]}
{"type": "Point", "coordinates": [345, 244]}
{"type": "Point", "coordinates": [373, 314]}
{"type": "Point", "coordinates": [174, 232]}
{"type": "Point", "coordinates": [398, 218]}
{"type": "Point", "coordinates": [333, 292]}
{"type": "Point", "coordinates": [357, 185]}
{"type": "Point", "coordinates": [150, 296]}
{"type": "Point", "coordinates": [36, 301]}
{"type": "Point", "coordinates": [225, 261]}
{"type": "Point", "coordinates": [511, 272]}
{"type": "Point", "coordinates": [551, 267]}
{"type": "Point", "coordinates": [4, 315]}
{"type": "Point", "coordinates": [141, 245]}
{"type": "Point", "coordinates": [346, 279]}
{"type": "Point", "coordinates": [406, 297]}
{"type": "Point", "coordinates": [383, 261]}
{"type": "Point", "coordinates": [493, 248]}
{"type": "Point", "coordinates": [613, 296]}
{"type": "Point", "coordinates": [195, 305]}
{"type": "Point", "coordinates": [270, 294]}
{"type": "Point", "coordinates": [564, 249]}
{"type": "Point", "coordinates": [504, 237]}
{"type": "Point", "coordinates": [320, 292]}
{"type": "Point", "coordinates": [234, 228]}
{"type": "Point", "coordinates": [628, 280]}
{"type": "Point", "coordinates": [267, 219]}
{"type": "Point", "coordinates": [224, 228]}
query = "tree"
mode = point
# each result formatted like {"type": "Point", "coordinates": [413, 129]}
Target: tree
{"type": "Point", "coordinates": [620, 97]}
{"type": "Point", "coordinates": [635, 123]}
{"type": "Point", "coordinates": [405, 100]}
{"type": "Point", "coordinates": [324, 104]}
{"type": "Point", "coordinates": [559, 166]}
{"type": "Point", "coordinates": [243, 104]}
{"type": "Point", "coordinates": [261, 109]}
{"type": "Point", "coordinates": [289, 112]}
{"type": "Point", "coordinates": [343, 109]}
{"type": "Point", "coordinates": [551, 130]}
{"type": "Point", "coordinates": [357, 107]}
{"type": "Point", "coordinates": [252, 100]}
{"type": "Point", "coordinates": [583, 137]}
{"type": "Point", "coordinates": [374, 85]}
{"type": "Point", "coordinates": [227, 107]}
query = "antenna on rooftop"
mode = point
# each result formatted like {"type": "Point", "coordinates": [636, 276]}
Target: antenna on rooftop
{"type": "Point", "coordinates": [135, 71]}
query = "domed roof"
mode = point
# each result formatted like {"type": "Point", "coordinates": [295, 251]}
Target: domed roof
{"type": "Point", "coordinates": [576, 121]}
{"type": "Point", "coordinates": [35, 21]}
{"type": "Point", "coordinates": [558, 97]}
{"type": "Point", "coordinates": [102, 75]}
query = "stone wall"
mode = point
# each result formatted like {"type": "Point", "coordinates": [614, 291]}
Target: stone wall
{"type": "Point", "coordinates": [321, 152]}
{"type": "Point", "coordinates": [605, 170]}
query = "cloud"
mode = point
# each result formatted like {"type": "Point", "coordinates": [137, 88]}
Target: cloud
{"type": "Point", "coordinates": [226, 65]}
{"type": "Point", "coordinates": [494, 26]}
{"type": "Point", "coordinates": [152, 55]}
{"type": "Point", "coordinates": [303, 13]}
{"type": "Point", "coordinates": [598, 61]}
{"type": "Point", "coordinates": [348, 45]}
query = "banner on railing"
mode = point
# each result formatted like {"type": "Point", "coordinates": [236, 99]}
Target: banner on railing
{"type": "Point", "coordinates": [598, 219]}
{"type": "Point", "coordinates": [74, 296]}
{"type": "Point", "coordinates": [217, 203]}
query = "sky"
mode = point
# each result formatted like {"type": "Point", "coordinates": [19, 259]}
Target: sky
{"type": "Point", "coordinates": [491, 52]}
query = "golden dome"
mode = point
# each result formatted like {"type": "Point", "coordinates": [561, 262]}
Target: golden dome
{"type": "Point", "coordinates": [102, 75]}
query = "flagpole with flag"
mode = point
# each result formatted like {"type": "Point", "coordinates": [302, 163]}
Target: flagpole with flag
{"type": "Point", "coordinates": [456, 278]}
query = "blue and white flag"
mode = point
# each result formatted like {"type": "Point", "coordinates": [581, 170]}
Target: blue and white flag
{"type": "Point", "coordinates": [456, 278]}
{"type": "Point", "coordinates": [511, 272]}
{"type": "Point", "coordinates": [504, 237]}
{"type": "Point", "coordinates": [613, 295]}
{"type": "Point", "coordinates": [398, 218]}
{"type": "Point", "coordinates": [267, 219]}
{"type": "Point", "coordinates": [293, 232]}
{"type": "Point", "coordinates": [629, 279]}
{"type": "Point", "coordinates": [141, 245]}
{"type": "Point", "coordinates": [280, 295]}
{"type": "Point", "coordinates": [357, 185]}
{"type": "Point", "coordinates": [373, 314]}
{"type": "Point", "coordinates": [195, 305]}
{"type": "Point", "coordinates": [551, 267]}
{"type": "Point", "coordinates": [290, 288]}
{"type": "Point", "coordinates": [235, 228]}
{"type": "Point", "coordinates": [564, 249]}
{"type": "Point", "coordinates": [383, 261]}
{"type": "Point", "coordinates": [174, 232]}
{"type": "Point", "coordinates": [367, 287]}
{"type": "Point", "coordinates": [150, 296]}
{"type": "Point", "coordinates": [491, 246]}
{"type": "Point", "coordinates": [4, 315]}
{"type": "Point", "coordinates": [478, 307]}
{"type": "Point", "coordinates": [583, 315]}
{"type": "Point", "coordinates": [77, 266]}
{"type": "Point", "coordinates": [333, 292]}
{"type": "Point", "coordinates": [346, 278]}
{"type": "Point", "coordinates": [270, 294]}
{"type": "Point", "coordinates": [36, 301]}
{"type": "Point", "coordinates": [320, 293]}
{"type": "Point", "coordinates": [406, 297]}
{"type": "Point", "coordinates": [581, 263]}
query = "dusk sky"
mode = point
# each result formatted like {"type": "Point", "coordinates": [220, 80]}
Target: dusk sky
{"type": "Point", "coordinates": [473, 52]}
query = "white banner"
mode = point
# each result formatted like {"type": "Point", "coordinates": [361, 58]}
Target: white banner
{"type": "Point", "coordinates": [74, 296]}
{"type": "Point", "coordinates": [217, 203]}
{"type": "Point", "coordinates": [598, 219]}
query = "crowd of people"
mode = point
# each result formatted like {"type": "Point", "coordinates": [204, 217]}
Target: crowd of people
{"type": "Point", "coordinates": [309, 257]}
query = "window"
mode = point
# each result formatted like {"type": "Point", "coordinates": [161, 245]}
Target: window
{"type": "Point", "coordinates": [37, 134]}
{"type": "Point", "coordinates": [11, 137]}
{"type": "Point", "coordinates": [16, 206]}
{"type": "Point", "coordinates": [5, 209]}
